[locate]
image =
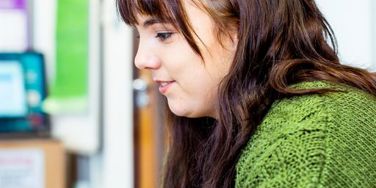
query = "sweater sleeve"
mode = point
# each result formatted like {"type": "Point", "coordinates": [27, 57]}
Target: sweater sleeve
{"type": "Point", "coordinates": [289, 147]}
{"type": "Point", "coordinates": [313, 141]}
{"type": "Point", "coordinates": [293, 160]}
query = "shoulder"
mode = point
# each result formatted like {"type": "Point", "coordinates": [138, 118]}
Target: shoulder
{"type": "Point", "coordinates": [347, 103]}
{"type": "Point", "coordinates": [313, 140]}
{"type": "Point", "coordinates": [344, 107]}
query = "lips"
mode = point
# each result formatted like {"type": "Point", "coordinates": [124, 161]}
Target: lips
{"type": "Point", "coordinates": [164, 86]}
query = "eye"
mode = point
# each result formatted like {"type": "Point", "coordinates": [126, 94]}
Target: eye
{"type": "Point", "coordinates": [164, 35]}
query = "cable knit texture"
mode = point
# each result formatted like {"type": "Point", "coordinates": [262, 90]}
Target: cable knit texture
{"type": "Point", "coordinates": [313, 141]}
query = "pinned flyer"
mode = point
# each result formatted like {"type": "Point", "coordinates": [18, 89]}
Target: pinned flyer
{"type": "Point", "coordinates": [22, 168]}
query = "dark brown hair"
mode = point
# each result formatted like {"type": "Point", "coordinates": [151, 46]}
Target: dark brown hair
{"type": "Point", "coordinates": [281, 42]}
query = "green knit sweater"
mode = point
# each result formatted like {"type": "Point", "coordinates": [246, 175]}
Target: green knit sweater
{"type": "Point", "coordinates": [313, 141]}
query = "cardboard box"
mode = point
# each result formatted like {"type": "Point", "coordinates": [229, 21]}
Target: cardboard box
{"type": "Point", "coordinates": [32, 164]}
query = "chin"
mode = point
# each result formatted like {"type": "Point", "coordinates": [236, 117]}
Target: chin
{"type": "Point", "coordinates": [181, 113]}
{"type": "Point", "coordinates": [185, 110]}
{"type": "Point", "coordinates": [186, 113]}
{"type": "Point", "coordinates": [179, 110]}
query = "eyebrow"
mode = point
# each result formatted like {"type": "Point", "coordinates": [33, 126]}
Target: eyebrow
{"type": "Point", "coordinates": [151, 21]}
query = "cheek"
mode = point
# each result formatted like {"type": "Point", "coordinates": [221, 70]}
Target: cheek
{"type": "Point", "coordinates": [193, 95]}
{"type": "Point", "coordinates": [186, 68]}
{"type": "Point", "coordinates": [197, 82]}
{"type": "Point", "coordinates": [196, 99]}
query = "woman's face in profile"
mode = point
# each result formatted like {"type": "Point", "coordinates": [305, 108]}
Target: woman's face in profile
{"type": "Point", "coordinates": [189, 82]}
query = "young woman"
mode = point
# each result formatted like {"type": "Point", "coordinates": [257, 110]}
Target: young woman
{"type": "Point", "coordinates": [257, 97]}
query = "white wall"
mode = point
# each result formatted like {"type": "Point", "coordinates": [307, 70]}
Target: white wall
{"type": "Point", "coordinates": [353, 23]}
{"type": "Point", "coordinates": [118, 166]}
{"type": "Point", "coordinates": [44, 32]}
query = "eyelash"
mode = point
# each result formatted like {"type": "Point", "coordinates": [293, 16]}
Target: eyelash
{"type": "Point", "coordinates": [163, 35]}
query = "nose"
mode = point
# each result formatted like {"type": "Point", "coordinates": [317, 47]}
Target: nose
{"type": "Point", "coordinates": [146, 58]}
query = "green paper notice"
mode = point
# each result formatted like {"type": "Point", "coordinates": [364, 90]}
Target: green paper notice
{"type": "Point", "coordinates": [71, 81]}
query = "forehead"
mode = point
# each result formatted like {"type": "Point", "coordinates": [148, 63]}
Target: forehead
{"type": "Point", "coordinates": [165, 10]}
{"type": "Point", "coordinates": [192, 14]}
{"type": "Point", "coordinates": [145, 22]}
